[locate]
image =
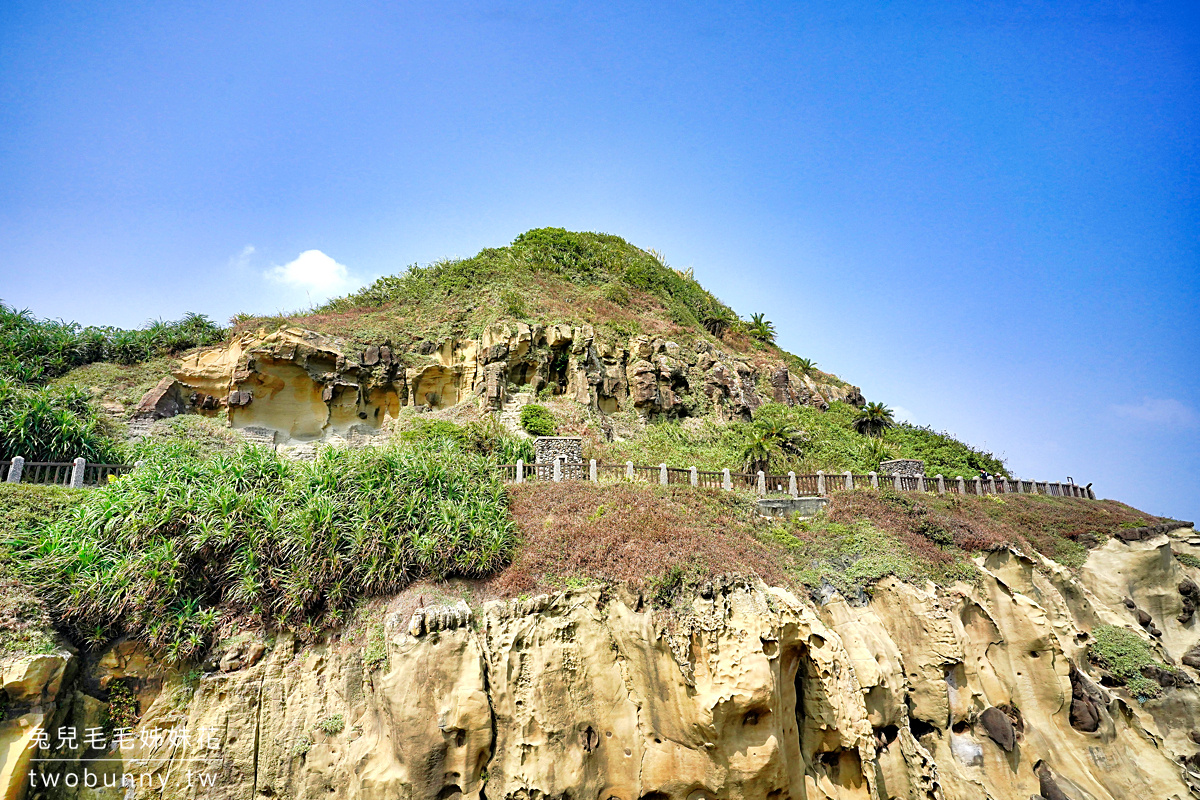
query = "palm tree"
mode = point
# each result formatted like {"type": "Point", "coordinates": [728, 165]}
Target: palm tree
{"type": "Point", "coordinates": [767, 437]}
{"type": "Point", "coordinates": [757, 452]}
{"type": "Point", "coordinates": [806, 366]}
{"type": "Point", "coordinates": [873, 419]}
{"type": "Point", "coordinates": [717, 320]}
{"type": "Point", "coordinates": [760, 328]}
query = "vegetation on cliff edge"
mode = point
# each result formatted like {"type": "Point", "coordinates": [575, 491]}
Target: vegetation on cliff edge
{"type": "Point", "coordinates": [162, 554]}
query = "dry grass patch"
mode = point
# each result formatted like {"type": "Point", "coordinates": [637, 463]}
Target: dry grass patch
{"type": "Point", "coordinates": [573, 532]}
{"type": "Point", "coordinates": [1061, 528]}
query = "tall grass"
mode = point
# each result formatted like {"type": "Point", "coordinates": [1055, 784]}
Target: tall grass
{"type": "Point", "coordinates": [47, 423]}
{"type": "Point", "coordinates": [32, 350]}
{"type": "Point", "coordinates": [162, 554]}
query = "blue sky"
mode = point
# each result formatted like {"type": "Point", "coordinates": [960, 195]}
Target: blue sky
{"type": "Point", "coordinates": [984, 214]}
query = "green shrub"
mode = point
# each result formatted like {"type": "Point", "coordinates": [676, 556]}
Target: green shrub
{"type": "Point", "coordinates": [1188, 560]}
{"type": "Point", "coordinates": [538, 421]}
{"type": "Point", "coordinates": [1123, 653]}
{"type": "Point", "coordinates": [513, 302]}
{"type": "Point", "coordinates": [122, 711]}
{"type": "Point", "coordinates": [332, 725]}
{"type": "Point", "coordinates": [829, 443]}
{"type": "Point", "coordinates": [426, 431]}
{"type": "Point", "coordinates": [942, 453]}
{"type": "Point", "coordinates": [483, 438]}
{"type": "Point", "coordinates": [154, 554]}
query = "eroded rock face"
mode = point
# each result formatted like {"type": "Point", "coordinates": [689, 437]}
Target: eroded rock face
{"type": "Point", "coordinates": [981, 691]}
{"type": "Point", "coordinates": [301, 386]}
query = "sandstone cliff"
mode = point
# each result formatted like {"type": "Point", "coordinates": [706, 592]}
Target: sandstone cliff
{"type": "Point", "coordinates": [299, 385]}
{"type": "Point", "coordinates": [983, 690]}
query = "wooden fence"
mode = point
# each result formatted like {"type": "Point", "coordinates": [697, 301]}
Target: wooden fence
{"type": "Point", "coordinates": [818, 485]}
{"type": "Point", "coordinates": [76, 474]}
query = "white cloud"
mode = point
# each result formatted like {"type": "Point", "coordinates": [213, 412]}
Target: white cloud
{"type": "Point", "coordinates": [902, 414]}
{"type": "Point", "coordinates": [1165, 411]}
{"type": "Point", "coordinates": [242, 259]}
{"type": "Point", "coordinates": [316, 273]}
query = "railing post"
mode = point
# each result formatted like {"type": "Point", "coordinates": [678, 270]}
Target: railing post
{"type": "Point", "coordinates": [874, 480]}
{"type": "Point", "coordinates": [849, 479]}
{"type": "Point", "coordinates": [1004, 485]}
{"type": "Point", "coordinates": [792, 484]}
{"type": "Point", "coordinates": [941, 484]}
{"type": "Point", "coordinates": [629, 470]}
{"type": "Point", "coordinates": [520, 470]}
{"type": "Point", "coordinates": [77, 467]}
{"type": "Point", "coordinates": [962, 485]}
{"type": "Point", "coordinates": [978, 486]}
{"type": "Point", "coordinates": [992, 483]}
{"type": "Point", "coordinates": [693, 477]}
{"type": "Point", "coordinates": [558, 469]}
{"type": "Point", "coordinates": [726, 482]}
{"type": "Point", "coordinates": [896, 482]}
{"type": "Point", "coordinates": [921, 483]}
{"type": "Point", "coordinates": [1033, 487]}
{"type": "Point", "coordinates": [14, 471]}
{"type": "Point", "coordinates": [592, 471]}
{"type": "Point", "coordinates": [761, 483]}
{"type": "Point", "coordinates": [662, 474]}
{"type": "Point", "coordinates": [821, 483]}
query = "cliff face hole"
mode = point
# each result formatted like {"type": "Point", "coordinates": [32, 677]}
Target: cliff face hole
{"type": "Point", "coordinates": [842, 766]}
{"type": "Point", "coordinates": [560, 359]}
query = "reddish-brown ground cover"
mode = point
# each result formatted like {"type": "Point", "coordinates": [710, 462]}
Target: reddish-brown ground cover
{"type": "Point", "coordinates": [630, 532]}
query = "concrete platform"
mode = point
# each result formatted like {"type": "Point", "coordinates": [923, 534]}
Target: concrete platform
{"type": "Point", "coordinates": [791, 506]}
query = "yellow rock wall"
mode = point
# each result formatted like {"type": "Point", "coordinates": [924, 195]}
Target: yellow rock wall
{"type": "Point", "coordinates": [302, 386]}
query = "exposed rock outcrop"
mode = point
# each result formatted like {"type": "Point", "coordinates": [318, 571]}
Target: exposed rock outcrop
{"type": "Point", "coordinates": [305, 386]}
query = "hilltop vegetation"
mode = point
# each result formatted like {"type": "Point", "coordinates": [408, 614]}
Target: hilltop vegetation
{"type": "Point", "coordinates": [546, 276]}
{"type": "Point", "coordinates": [59, 422]}
{"type": "Point", "coordinates": [33, 351]}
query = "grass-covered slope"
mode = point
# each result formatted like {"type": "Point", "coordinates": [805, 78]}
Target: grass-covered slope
{"type": "Point", "coordinates": [209, 536]}
{"type": "Point", "coordinates": [826, 441]}
{"type": "Point", "coordinates": [667, 536]}
{"type": "Point", "coordinates": [165, 553]}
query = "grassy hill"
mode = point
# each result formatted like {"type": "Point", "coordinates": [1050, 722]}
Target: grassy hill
{"type": "Point", "coordinates": [546, 276]}
{"type": "Point", "coordinates": [49, 369]}
{"type": "Point", "coordinates": [212, 533]}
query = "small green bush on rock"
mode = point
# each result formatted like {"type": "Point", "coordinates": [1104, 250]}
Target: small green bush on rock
{"type": "Point", "coordinates": [538, 421]}
{"type": "Point", "coordinates": [1123, 653]}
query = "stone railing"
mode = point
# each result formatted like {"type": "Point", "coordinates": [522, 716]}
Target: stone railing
{"type": "Point", "coordinates": [75, 474]}
{"type": "Point", "coordinates": [818, 485]}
